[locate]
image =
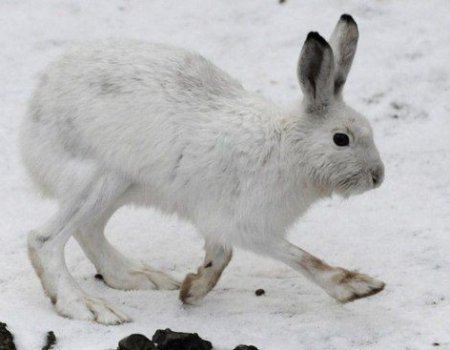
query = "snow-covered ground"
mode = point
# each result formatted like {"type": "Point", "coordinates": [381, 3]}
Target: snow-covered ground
{"type": "Point", "coordinates": [398, 233]}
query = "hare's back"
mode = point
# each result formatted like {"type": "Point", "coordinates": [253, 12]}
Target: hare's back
{"type": "Point", "coordinates": [129, 103]}
{"type": "Point", "coordinates": [129, 70]}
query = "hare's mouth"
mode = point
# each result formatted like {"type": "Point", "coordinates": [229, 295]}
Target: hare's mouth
{"type": "Point", "coordinates": [354, 184]}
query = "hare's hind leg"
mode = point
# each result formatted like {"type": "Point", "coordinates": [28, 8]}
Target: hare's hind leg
{"type": "Point", "coordinates": [46, 250]}
{"type": "Point", "coordinates": [196, 286]}
{"type": "Point", "coordinates": [118, 271]}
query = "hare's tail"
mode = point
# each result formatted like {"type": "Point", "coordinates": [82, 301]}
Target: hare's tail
{"type": "Point", "coordinates": [53, 170]}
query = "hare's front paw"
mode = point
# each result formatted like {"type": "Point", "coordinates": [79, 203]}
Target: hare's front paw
{"type": "Point", "coordinates": [346, 286]}
{"type": "Point", "coordinates": [194, 288]}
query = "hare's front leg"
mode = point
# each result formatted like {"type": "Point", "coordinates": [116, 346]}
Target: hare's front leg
{"type": "Point", "coordinates": [341, 284]}
{"type": "Point", "coordinates": [196, 286]}
{"type": "Point", "coordinates": [46, 250]}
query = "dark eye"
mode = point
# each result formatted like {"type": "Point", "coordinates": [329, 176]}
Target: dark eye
{"type": "Point", "coordinates": [341, 139]}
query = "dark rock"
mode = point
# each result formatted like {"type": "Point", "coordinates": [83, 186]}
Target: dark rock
{"type": "Point", "coordinates": [169, 340]}
{"type": "Point", "coordinates": [136, 342]}
{"type": "Point", "coordinates": [246, 347]}
{"type": "Point", "coordinates": [50, 342]}
{"type": "Point", "coordinates": [260, 292]}
{"type": "Point", "coordinates": [99, 277]}
{"type": "Point", "coordinates": [6, 338]}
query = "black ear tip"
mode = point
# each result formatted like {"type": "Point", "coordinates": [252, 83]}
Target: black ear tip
{"type": "Point", "coordinates": [314, 36]}
{"type": "Point", "coordinates": [347, 18]}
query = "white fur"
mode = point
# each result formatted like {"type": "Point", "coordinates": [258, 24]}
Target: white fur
{"type": "Point", "coordinates": [130, 122]}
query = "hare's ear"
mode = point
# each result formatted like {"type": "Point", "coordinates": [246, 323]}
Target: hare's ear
{"type": "Point", "coordinates": [343, 41]}
{"type": "Point", "coordinates": [316, 72]}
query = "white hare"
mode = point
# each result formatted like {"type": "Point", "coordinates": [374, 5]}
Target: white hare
{"type": "Point", "coordinates": [130, 122]}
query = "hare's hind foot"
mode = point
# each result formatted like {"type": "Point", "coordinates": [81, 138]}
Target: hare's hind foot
{"type": "Point", "coordinates": [69, 300]}
{"type": "Point", "coordinates": [138, 277]}
{"type": "Point", "coordinates": [117, 270]}
{"type": "Point", "coordinates": [46, 250]}
{"type": "Point", "coordinates": [79, 306]}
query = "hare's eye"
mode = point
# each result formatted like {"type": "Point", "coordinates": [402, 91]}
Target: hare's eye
{"type": "Point", "coordinates": [341, 139]}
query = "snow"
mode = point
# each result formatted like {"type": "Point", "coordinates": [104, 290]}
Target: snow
{"type": "Point", "coordinates": [398, 233]}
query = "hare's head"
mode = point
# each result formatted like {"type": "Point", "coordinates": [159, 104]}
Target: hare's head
{"type": "Point", "coordinates": [340, 153]}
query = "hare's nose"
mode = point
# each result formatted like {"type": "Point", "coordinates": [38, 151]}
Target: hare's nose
{"type": "Point", "coordinates": [377, 175]}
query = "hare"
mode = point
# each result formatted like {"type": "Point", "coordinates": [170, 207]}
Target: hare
{"type": "Point", "coordinates": [122, 123]}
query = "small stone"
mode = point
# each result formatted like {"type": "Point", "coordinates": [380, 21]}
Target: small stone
{"type": "Point", "coordinates": [245, 347]}
{"type": "Point", "coordinates": [136, 342]}
{"type": "Point", "coordinates": [6, 338]}
{"type": "Point", "coordinates": [99, 276]}
{"type": "Point", "coordinates": [170, 340]}
{"type": "Point", "coordinates": [436, 344]}
{"type": "Point", "coordinates": [260, 292]}
{"type": "Point", "coordinates": [50, 341]}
